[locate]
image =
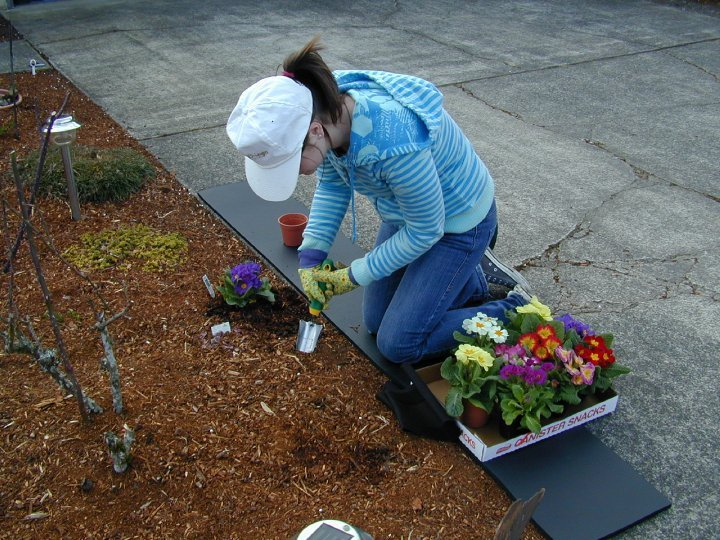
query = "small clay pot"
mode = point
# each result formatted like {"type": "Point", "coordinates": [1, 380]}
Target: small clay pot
{"type": "Point", "coordinates": [474, 417]}
{"type": "Point", "coordinates": [292, 227]}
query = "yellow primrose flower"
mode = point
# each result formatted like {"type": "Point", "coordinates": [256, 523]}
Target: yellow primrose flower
{"type": "Point", "coordinates": [535, 306]}
{"type": "Point", "coordinates": [469, 353]}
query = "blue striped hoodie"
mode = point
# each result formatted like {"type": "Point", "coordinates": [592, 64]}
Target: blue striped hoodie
{"type": "Point", "coordinates": [411, 160]}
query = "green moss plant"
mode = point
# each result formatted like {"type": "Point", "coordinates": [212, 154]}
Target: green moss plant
{"type": "Point", "coordinates": [127, 245]}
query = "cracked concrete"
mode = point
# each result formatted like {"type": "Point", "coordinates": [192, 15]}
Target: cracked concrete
{"type": "Point", "coordinates": [599, 122]}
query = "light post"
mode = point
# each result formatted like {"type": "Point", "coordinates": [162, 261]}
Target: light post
{"type": "Point", "coordinates": [62, 134]}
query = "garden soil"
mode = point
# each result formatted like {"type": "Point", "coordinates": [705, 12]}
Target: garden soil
{"type": "Point", "coordinates": [237, 436]}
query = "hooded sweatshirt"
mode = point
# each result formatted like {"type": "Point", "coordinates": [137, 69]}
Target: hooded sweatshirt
{"type": "Point", "coordinates": [412, 161]}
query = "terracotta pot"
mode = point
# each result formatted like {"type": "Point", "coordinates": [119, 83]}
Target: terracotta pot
{"type": "Point", "coordinates": [472, 416]}
{"type": "Point", "coordinates": [5, 92]}
{"type": "Point", "coordinates": [292, 227]}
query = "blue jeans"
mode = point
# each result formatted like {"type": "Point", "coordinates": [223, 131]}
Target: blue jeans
{"type": "Point", "coordinates": [415, 311]}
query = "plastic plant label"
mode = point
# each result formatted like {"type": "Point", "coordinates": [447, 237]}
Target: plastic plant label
{"type": "Point", "coordinates": [208, 286]}
{"type": "Point", "coordinates": [222, 328]}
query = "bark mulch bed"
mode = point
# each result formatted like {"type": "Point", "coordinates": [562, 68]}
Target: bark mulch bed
{"type": "Point", "coordinates": [237, 437]}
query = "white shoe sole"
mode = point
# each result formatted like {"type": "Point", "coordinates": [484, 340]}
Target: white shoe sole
{"type": "Point", "coordinates": [507, 270]}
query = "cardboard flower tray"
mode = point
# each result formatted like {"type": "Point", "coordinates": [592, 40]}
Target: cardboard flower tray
{"type": "Point", "coordinates": [487, 443]}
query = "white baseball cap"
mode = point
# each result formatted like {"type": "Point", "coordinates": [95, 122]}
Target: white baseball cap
{"type": "Point", "coordinates": [268, 126]}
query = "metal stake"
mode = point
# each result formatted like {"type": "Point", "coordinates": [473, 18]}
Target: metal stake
{"type": "Point", "coordinates": [72, 187]}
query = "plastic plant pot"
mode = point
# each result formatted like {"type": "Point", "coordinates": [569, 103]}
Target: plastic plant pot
{"type": "Point", "coordinates": [4, 92]}
{"type": "Point", "coordinates": [292, 227]}
{"type": "Point", "coordinates": [473, 416]}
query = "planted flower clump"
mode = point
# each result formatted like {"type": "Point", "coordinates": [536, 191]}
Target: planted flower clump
{"type": "Point", "coordinates": [243, 285]}
{"type": "Point", "coordinates": [243, 295]}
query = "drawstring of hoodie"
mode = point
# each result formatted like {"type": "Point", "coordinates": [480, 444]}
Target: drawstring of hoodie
{"type": "Point", "coordinates": [351, 176]}
{"type": "Point", "coordinates": [351, 179]}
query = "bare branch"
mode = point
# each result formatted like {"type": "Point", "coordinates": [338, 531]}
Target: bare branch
{"type": "Point", "coordinates": [109, 362]}
{"type": "Point", "coordinates": [38, 177]}
{"type": "Point", "coordinates": [49, 361]}
{"type": "Point", "coordinates": [12, 307]}
{"type": "Point", "coordinates": [70, 372]}
{"type": "Point", "coordinates": [103, 325]}
{"type": "Point", "coordinates": [120, 448]}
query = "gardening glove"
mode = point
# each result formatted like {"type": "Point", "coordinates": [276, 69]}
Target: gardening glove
{"type": "Point", "coordinates": [312, 288]}
{"type": "Point", "coordinates": [340, 281]}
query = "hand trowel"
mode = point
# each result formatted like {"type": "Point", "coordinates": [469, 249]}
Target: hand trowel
{"type": "Point", "coordinates": [309, 331]}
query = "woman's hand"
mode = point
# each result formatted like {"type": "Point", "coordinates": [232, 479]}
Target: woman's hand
{"type": "Point", "coordinates": [312, 287]}
{"type": "Point", "coordinates": [338, 281]}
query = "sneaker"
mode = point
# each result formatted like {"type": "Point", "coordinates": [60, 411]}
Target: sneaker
{"type": "Point", "coordinates": [501, 274]}
{"type": "Point", "coordinates": [521, 291]}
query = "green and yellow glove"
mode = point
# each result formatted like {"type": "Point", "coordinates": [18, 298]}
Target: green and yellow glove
{"type": "Point", "coordinates": [339, 281]}
{"type": "Point", "coordinates": [312, 288]}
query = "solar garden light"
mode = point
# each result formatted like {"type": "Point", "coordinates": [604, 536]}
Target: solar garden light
{"type": "Point", "coordinates": [332, 529]}
{"type": "Point", "coordinates": [62, 134]}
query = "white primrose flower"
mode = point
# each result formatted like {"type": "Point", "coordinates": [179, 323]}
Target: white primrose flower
{"type": "Point", "coordinates": [477, 325]}
{"type": "Point", "coordinates": [468, 325]}
{"type": "Point", "coordinates": [498, 334]}
{"type": "Point", "coordinates": [480, 315]}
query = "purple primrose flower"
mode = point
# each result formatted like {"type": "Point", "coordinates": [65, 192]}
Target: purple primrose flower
{"type": "Point", "coordinates": [571, 322]}
{"type": "Point", "coordinates": [245, 276]}
{"type": "Point", "coordinates": [511, 370]}
{"type": "Point", "coordinates": [508, 352]}
{"type": "Point", "coordinates": [535, 376]}
{"type": "Point", "coordinates": [547, 367]}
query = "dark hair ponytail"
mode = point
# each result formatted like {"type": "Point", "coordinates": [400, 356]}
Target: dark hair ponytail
{"type": "Point", "coordinates": [308, 68]}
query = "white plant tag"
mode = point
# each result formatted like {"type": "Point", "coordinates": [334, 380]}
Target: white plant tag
{"type": "Point", "coordinates": [222, 328]}
{"type": "Point", "coordinates": [208, 286]}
